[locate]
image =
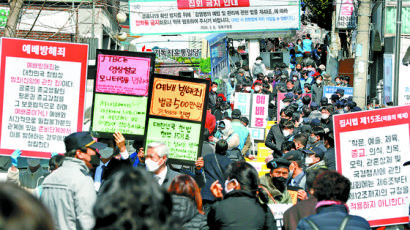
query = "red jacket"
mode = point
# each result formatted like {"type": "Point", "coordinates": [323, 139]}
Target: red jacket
{"type": "Point", "coordinates": [210, 122]}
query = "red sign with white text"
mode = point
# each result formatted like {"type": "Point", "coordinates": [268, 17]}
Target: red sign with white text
{"type": "Point", "coordinates": [371, 148]}
{"type": "Point", "coordinates": [204, 4]}
{"type": "Point", "coordinates": [42, 95]}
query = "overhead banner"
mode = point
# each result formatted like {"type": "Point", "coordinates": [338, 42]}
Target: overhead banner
{"type": "Point", "coordinates": [120, 93]}
{"type": "Point", "coordinates": [148, 17]}
{"type": "Point", "coordinates": [42, 95]}
{"type": "Point", "coordinates": [329, 90]}
{"type": "Point", "coordinates": [345, 14]}
{"type": "Point", "coordinates": [371, 148]}
{"type": "Point", "coordinates": [176, 116]}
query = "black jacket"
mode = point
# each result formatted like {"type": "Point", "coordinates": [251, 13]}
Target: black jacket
{"type": "Point", "coordinates": [185, 212]}
{"type": "Point", "coordinates": [113, 167]}
{"type": "Point", "coordinates": [213, 173]}
{"type": "Point", "coordinates": [240, 210]}
{"type": "Point", "coordinates": [274, 140]}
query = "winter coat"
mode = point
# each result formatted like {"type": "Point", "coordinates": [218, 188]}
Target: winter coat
{"type": "Point", "coordinates": [302, 209]}
{"type": "Point", "coordinates": [240, 210]}
{"type": "Point", "coordinates": [213, 172]}
{"type": "Point", "coordinates": [317, 93]}
{"type": "Point", "coordinates": [185, 212]}
{"type": "Point", "coordinates": [281, 198]}
{"type": "Point", "coordinates": [69, 195]}
{"type": "Point", "coordinates": [27, 179]}
{"type": "Point", "coordinates": [258, 68]}
{"type": "Point", "coordinates": [274, 139]}
{"type": "Point", "coordinates": [331, 217]}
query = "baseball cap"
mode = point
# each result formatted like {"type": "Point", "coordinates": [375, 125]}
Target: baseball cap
{"type": "Point", "coordinates": [82, 139]}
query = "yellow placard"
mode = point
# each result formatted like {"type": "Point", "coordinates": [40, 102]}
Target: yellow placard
{"type": "Point", "coordinates": [177, 99]}
{"type": "Point", "coordinates": [294, 196]}
{"type": "Point", "coordinates": [268, 126]}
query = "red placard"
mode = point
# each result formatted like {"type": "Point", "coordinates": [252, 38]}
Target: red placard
{"type": "Point", "coordinates": [371, 148]}
{"type": "Point", "coordinates": [42, 95]}
{"type": "Point", "coordinates": [204, 4]}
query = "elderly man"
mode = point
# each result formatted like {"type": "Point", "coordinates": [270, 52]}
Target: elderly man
{"type": "Point", "coordinates": [275, 181]}
{"type": "Point", "coordinates": [69, 192]}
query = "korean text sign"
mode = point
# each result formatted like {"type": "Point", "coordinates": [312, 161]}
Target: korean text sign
{"type": "Point", "coordinates": [176, 116]}
{"type": "Point", "coordinates": [211, 16]}
{"type": "Point", "coordinates": [371, 148]}
{"type": "Point", "coordinates": [243, 103]}
{"type": "Point", "coordinates": [42, 95]}
{"type": "Point", "coordinates": [259, 113]}
{"type": "Point", "coordinates": [120, 93]}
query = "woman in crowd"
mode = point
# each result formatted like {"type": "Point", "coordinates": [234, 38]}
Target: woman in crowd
{"type": "Point", "coordinates": [187, 203]}
{"type": "Point", "coordinates": [244, 206]}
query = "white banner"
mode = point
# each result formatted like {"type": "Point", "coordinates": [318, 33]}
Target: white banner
{"type": "Point", "coordinates": [259, 117]}
{"type": "Point", "coordinates": [212, 16]}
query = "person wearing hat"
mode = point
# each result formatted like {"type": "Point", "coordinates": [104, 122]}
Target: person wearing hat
{"type": "Point", "coordinates": [315, 159]}
{"type": "Point", "coordinates": [274, 182]}
{"type": "Point", "coordinates": [316, 137]}
{"type": "Point", "coordinates": [109, 165]}
{"type": "Point", "coordinates": [297, 176]}
{"type": "Point", "coordinates": [69, 192]}
{"type": "Point", "coordinates": [340, 93]}
{"type": "Point", "coordinates": [29, 179]}
{"type": "Point", "coordinates": [243, 133]}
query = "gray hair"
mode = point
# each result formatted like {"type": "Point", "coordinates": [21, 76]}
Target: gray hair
{"type": "Point", "coordinates": [161, 148]}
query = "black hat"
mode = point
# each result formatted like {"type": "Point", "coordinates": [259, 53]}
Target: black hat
{"type": "Point", "coordinates": [334, 97]}
{"type": "Point", "coordinates": [245, 120]}
{"type": "Point", "coordinates": [294, 155]}
{"type": "Point", "coordinates": [81, 139]}
{"type": "Point", "coordinates": [324, 101]}
{"type": "Point", "coordinates": [236, 114]}
{"type": "Point", "coordinates": [314, 106]}
{"type": "Point", "coordinates": [315, 123]}
{"type": "Point", "coordinates": [315, 150]}
{"type": "Point", "coordinates": [340, 91]}
{"type": "Point", "coordinates": [278, 163]}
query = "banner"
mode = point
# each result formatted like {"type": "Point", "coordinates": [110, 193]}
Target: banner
{"type": "Point", "coordinates": [329, 90]}
{"type": "Point", "coordinates": [42, 95]}
{"type": "Point", "coordinates": [259, 115]}
{"type": "Point", "coordinates": [176, 116]}
{"type": "Point", "coordinates": [345, 14]}
{"type": "Point", "coordinates": [212, 16]}
{"type": "Point", "coordinates": [371, 148]}
{"type": "Point", "coordinates": [120, 93]}
{"type": "Point", "coordinates": [243, 103]}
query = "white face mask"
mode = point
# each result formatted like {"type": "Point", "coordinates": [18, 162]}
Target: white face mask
{"type": "Point", "coordinates": [338, 82]}
{"type": "Point", "coordinates": [248, 88]}
{"type": "Point", "coordinates": [325, 116]}
{"type": "Point", "coordinates": [214, 89]}
{"type": "Point", "coordinates": [152, 166]}
{"type": "Point", "coordinates": [258, 62]}
{"type": "Point", "coordinates": [257, 88]}
{"type": "Point", "coordinates": [286, 132]}
{"type": "Point", "coordinates": [319, 81]}
{"type": "Point", "coordinates": [295, 78]}
{"type": "Point", "coordinates": [308, 161]}
{"type": "Point", "coordinates": [232, 79]}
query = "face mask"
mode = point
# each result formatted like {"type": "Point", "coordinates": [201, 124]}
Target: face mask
{"type": "Point", "coordinates": [338, 82]}
{"type": "Point", "coordinates": [258, 62]}
{"type": "Point", "coordinates": [152, 166]}
{"type": "Point", "coordinates": [248, 88]}
{"type": "Point", "coordinates": [295, 78]}
{"type": "Point", "coordinates": [346, 110]}
{"type": "Point", "coordinates": [226, 185]}
{"type": "Point", "coordinates": [286, 133]}
{"type": "Point", "coordinates": [325, 116]}
{"type": "Point", "coordinates": [312, 140]}
{"type": "Point", "coordinates": [95, 161]}
{"type": "Point", "coordinates": [214, 89]}
{"type": "Point", "coordinates": [299, 69]}
{"type": "Point", "coordinates": [279, 183]}
{"type": "Point", "coordinates": [318, 81]}
{"type": "Point", "coordinates": [257, 88]}
{"type": "Point", "coordinates": [232, 79]}
{"type": "Point", "coordinates": [308, 161]}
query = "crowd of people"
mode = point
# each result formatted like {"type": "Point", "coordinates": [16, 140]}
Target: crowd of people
{"type": "Point", "coordinates": [99, 185]}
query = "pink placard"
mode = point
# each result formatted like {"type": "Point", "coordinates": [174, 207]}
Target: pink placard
{"type": "Point", "coordinates": [123, 75]}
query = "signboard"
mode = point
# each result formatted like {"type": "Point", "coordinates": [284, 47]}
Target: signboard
{"type": "Point", "coordinates": [345, 14]}
{"type": "Point", "coordinates": [120, 93]}
{"type": "Point", "coordinates": [259, 163]}
{"type": "Point", "coordinates": [212, 16]}
{"type": "Point", "coordinates": [259, 117]}
{"type": "Point", "coordinates": [243, 103]}
{"type": "Point", "coordinates": [371, 148]}
{"type": "Point", "coordinates": [176, 116]}
{"type": "Point", "coordinates": [218, 55]}
{"type": "Point", "coordinates": [42, 95]}
{"type": "Point", "coordinates": [278, 210]}
{"type": "Point", "coordinates": [329, 90]}
{"type": "Point", "coordinates": [257, 134]}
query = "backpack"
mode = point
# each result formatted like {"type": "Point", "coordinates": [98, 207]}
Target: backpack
{"type": "Point", "coordinates": [342, 226]}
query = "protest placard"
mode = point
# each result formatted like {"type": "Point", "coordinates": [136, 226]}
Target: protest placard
{"type": "Point", "coordinates": [257, 134]}
{"type": "Point", "coordinates": [329, 90]}
{"type": "Point", "coordinates": [205, 16]}
{"type": "Point", "coordinates": [120, 93]}
{"type": "Point", "coordinates": [178, 99]}
{"type": "Point", "coordinates": [176, 116]}
{"type": "Point", "coordinates": [278, 210]}
{"type": "Point", "coordinates": [243, 103]}
{"type": "Point", "coordinates": [42, 95]}
{"type": "Point", "coordinates": [259, 163]}
{"type": "Point", "coordinates": [259, 114]}
{"type": "Point", "coordinates": [371, 148]}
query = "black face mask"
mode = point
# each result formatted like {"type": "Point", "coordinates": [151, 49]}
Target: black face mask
{"type": "Point", "coordinates": [279, 183]}
{"type": "Point", "coordinates": [95, 160]}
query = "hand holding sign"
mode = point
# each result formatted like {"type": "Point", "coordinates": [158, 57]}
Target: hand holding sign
{"type": "Point", "coordinates": [120, 141]}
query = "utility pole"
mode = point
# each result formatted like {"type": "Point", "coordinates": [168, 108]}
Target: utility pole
{"type": "Point", "coordinates": [397, 54]}
{"type": "Point", "coordinates": [11, 25]}
{"type": "Point", "coordinates": [361, 62]}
